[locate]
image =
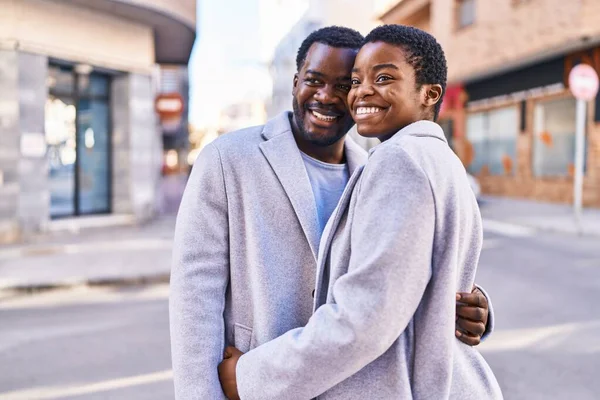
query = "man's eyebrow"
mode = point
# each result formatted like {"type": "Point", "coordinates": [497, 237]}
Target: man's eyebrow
{"type": "Point", "coordinates": [313, 72]}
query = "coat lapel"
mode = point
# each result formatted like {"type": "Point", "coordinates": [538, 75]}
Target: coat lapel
{"type": "Point", "coordinates": [328, 234]}
{"type": "Point", "coordinates": [283, 155]}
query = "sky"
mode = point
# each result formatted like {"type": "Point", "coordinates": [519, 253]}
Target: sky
{"type": "Point", "coordinates": [230, 60]}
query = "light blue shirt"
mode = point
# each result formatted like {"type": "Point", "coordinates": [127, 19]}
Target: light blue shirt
{"type": "Point", "coordinates": [328, 182]}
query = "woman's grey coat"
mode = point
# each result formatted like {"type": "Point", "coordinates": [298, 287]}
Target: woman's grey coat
{"type": "Point", "coordinates": [405, 237]}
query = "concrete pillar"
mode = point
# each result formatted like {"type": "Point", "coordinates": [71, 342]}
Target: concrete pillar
{"type": "Point", "coordinates": [9, 145]}
{"type": "Point", "coordinates": [137, 147]}
{"type": "Point", "coordinates": [34, 198]}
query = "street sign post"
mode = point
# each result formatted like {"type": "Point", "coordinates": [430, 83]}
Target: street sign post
{"type": "Point", "coordinates": [583, 82]}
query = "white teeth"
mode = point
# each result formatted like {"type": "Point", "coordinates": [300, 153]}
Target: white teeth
{"type": "Point", "coordinates": [322, 117]}
{"type": "Point", "coordinates": [367, 110]}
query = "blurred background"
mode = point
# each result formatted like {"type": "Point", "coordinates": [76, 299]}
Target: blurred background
{"type": "Point", "coordinates": [105, 105]}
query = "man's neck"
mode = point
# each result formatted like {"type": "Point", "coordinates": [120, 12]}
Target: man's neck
{"type": "Point", "coordinates": [332, 154]}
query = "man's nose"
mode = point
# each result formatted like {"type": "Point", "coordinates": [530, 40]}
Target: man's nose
{"type": "Point", "coordinates": [326, 95]}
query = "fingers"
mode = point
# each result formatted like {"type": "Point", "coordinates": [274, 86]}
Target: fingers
{"type": "Point", "coordinates": [475, 314]}
{"type": "Point", "coordinates": [471, 340]}
{"type": "Point", "coordinates": [470, 327]}
{"type": "Point", "coordinates": [475, 299]}
{"type": "Point", "coordinates": [229, 351]}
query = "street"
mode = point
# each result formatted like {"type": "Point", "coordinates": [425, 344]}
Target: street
{"type": "Point", "coordinates": [113, 343]}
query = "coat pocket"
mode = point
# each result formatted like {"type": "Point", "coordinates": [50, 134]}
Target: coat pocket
{"type": "Point", "coordinates": [242, 337]}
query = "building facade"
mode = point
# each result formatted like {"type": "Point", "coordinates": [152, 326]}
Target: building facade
{"type": "Point", "coordinates": [508, 110]}
{"type": "Point", "coordinates": [78, 129]}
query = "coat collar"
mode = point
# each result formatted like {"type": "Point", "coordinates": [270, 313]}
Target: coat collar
{"type": "Point", "coordinates": [419, 128]}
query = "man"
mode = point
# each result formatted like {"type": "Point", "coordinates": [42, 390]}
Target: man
{"type": "Point", "coordinates": [250, 221]}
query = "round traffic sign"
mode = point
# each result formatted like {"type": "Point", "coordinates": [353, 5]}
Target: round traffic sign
{"type": "Point", "coordinates": [583, 82]}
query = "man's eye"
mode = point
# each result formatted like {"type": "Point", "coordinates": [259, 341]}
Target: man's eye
{"type": "Point", "coordinates": [383, 78]}
{"type": "Point", "coordinates": [345, 88]}
{"type": "Point", "coordinates": [312, 81]}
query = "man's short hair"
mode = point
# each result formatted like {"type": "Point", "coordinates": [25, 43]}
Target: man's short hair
{"type": "Point", "coordinates": [423, 53]}
{"type": "Point", "coordinates": [333, 36]}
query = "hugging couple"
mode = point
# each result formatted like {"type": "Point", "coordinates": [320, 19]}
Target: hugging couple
{"type": "Point", "coordinates": [306, 268]}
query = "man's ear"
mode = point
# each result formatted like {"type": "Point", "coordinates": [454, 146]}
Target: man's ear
{"type": "Point", "coordinates": [433, 94]}
{"type": "Point", "coordinates": [295, 87]}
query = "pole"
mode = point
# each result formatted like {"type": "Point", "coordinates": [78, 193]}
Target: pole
{"type": "Point", "coordinates": [579, 152]}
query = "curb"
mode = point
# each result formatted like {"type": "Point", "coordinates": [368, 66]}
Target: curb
{"type": "Point", "coordinates": [33, 288]}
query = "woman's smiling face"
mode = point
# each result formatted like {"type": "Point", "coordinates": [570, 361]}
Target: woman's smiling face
{"type": "Point", "coordinates": [385, 97]}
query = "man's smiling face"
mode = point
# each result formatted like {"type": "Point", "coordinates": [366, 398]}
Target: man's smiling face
{"type": "Point", "coordinates": [321, 88]}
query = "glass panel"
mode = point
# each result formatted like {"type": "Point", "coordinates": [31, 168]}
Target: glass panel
{"type": "Point", "coordinates": [60, 137]}
{"type": "Point", "coordinates": [93, 152]}
{"type": "Point", "coordinates": [554, 138]}
{"type": "Point", "coordinates": [476, 135]}
{"type": "Point", "coordinates": [493, 136]}
{"type": "Point", "coordinates": [93, 85]}
{"type": "Point", "coordinates": [503, 127]}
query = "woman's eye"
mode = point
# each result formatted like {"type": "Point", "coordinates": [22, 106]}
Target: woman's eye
{"type": "Point", "coordinates": [383, 78]}
{"type": "Point", "coordinates": [355, 81]}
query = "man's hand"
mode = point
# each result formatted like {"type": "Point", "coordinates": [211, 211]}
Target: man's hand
{"type": "Point", "coordinates": [227, 372]}
{"type": "Point", "coordinates": [471, 316]}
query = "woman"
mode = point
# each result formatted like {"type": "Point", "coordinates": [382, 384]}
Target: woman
{"type": "Point", "coordinates": [405, 237]}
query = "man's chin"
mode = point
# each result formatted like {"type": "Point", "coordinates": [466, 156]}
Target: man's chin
{"type": "Point", "coordinates": [323, 140]}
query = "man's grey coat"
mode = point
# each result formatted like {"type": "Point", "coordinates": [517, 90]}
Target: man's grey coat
{"type": "Point", "coordinates": [246, 244]}
{"type": "Point", "coordinates": [405, 237]}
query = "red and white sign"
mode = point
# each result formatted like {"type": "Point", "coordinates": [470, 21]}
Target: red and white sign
{"type": "Point", "coordinates": [169, 105]}
{"type": "Point", "coordinates": [583, 82]}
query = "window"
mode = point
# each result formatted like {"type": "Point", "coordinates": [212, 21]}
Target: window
{"type": "Point", "coordinates": [77, 129]}
{"type": "Point", "coordinates": [493, 136]}
{"type": "Point", "coordinates": [554, 138]}
{"type": "Point", "coordinates": [466, 13]}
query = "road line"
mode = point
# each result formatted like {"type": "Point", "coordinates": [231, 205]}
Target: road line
{"type": "Point", "coordinates": [58, 392]}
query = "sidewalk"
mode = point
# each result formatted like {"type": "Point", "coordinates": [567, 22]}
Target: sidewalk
{"type": "Point", "coordinates": [124, 255]}
{"type": "Point", "coordinates": [142, 254]}
{"type": "Point", "coordinates": [538, 216]}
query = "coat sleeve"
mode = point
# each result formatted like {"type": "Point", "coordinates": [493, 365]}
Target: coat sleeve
{"type": "Point", "coordinates": [390, 267]}
{"type": "Point", "coordinates": [489, 328]}
{"type": "Point", "coordinates": [199, 278]}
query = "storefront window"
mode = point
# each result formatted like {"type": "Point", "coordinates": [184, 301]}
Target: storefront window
{"type": "Point", "coordinates": [78, 139]}
{"type": "Point", "coordinates": [554, 138]}
{"type": "Point", "coordinates": [493, 137]}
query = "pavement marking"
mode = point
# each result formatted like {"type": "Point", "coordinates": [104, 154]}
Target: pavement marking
{"type": "Point", "coordinates": [58, 392]}
{"type": "Point", "coordinates": [507, 229]}
{"type": "Point", "coordinates": [572, 338]}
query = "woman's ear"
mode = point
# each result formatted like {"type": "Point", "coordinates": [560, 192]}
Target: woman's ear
{"type": "Point", "coordinates": [433, 94]}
